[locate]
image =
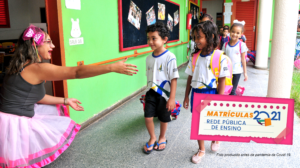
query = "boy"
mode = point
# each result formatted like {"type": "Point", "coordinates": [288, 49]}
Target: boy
{"type": "Point", "coordinates": [221, 31]}
{"type": "Point", "coordinates": [224, 38]}
{"type": "Point", "coordinates": [162, 77]}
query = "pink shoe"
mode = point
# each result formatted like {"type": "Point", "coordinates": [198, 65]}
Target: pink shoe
{"type": "Point", "coordinates": [214, 146]}
{"type": "Point", "coordinates": [196, 158]}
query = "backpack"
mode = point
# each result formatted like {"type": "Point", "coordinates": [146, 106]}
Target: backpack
{"type": "Point", "coordinates": [251, 56]}
{"type": "Point", "coordinates": [174, 113]}
{"type": "Point", "coordinates": [240, 90]}
{"type": "Point", "coordinates": [215, 64]}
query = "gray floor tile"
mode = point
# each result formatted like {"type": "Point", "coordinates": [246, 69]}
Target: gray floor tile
{"type": "Point", "coordinates": [117, 140]}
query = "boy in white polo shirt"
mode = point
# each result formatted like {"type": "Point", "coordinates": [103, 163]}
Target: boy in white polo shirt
{"type": "Point", "coordinates": [162, 74]}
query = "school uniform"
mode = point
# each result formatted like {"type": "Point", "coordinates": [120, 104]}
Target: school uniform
{"type": "Point", "coordinates": [203, 80]}
{"type": "Point", "coordinates": [234, 53]}
{"type": "Point", "coordinates": [160, 71]}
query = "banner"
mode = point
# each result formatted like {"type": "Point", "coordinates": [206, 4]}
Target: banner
{"type": "Point", "coordinates": [242, 119]}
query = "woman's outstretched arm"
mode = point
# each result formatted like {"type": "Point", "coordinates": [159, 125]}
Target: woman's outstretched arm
{"type": "Point", "coordinates": [50, 72]}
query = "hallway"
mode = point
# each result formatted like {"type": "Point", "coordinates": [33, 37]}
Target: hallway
{"type": "Point", "coordinates": [117, 139]}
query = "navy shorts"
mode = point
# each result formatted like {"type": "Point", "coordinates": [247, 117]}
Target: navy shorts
{"type": "Point", "coordinates": [155, 106]}
{"type": "Point", "coordinates": [206, 91]}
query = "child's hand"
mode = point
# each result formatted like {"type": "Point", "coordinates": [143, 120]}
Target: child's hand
{"type": "Point", "coordinates": [171, 104]}
{"type": "Point", "coordinates": [186, 103]}
{"type": "Point", "coordinates": [187, 57]}
{"type": "Point", "coordinates": [74, 103]}
{"type": "Point", "coordinates": [246, 77]}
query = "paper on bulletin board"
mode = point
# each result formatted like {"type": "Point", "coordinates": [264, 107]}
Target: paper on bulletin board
{"type": "Point", "coordinates": [73, 4]}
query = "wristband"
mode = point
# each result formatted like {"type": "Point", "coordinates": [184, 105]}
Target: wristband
{"type": "Point", "coordinates": [65, 101]}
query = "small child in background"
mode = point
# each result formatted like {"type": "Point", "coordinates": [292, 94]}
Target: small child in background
{"type": "Point", "coordinates": [227, 27]}
{"type": "Point", "coordinates": [162, 74]}
{"type": "Point", "coordinates": [224, 38]}
{"type": "Point", "coordinates": [243, 38]}
{"type": "Point", "coordinates": [236, 51]}
{"type": "Point", "coordinates": [205, 17]}
{"type": "Point", "coordinates": [221, 31]}
{"type": "Point", "coordinates": [190, 46]}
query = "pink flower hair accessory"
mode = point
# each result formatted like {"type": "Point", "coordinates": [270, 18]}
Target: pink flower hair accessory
{"type": "Point", "coordinates": [34, 32]}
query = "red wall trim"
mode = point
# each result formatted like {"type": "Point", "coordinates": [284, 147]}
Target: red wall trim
{"type": "Point", "coordinates": [6, 15]}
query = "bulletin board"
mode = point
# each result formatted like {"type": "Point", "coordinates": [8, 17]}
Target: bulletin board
{"type": "Point", "coordinates": [195, 10]}
{"type": "Point", "coordinates": [136, 15]}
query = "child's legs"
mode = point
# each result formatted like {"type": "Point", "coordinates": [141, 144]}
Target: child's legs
{"type": "Point", "coordinates": [163, 130]}
{"type": "Point", "coordinates": [150, 127]}
{"type": "Point", "coordinates": [150, 106]}
{"type": "Point", "coordinates": [235, 82]}
{"type": "Point", "coordinates": [164, 117]}
{"type": "Point", "coordinates": [201, 145]}
{"type": "Point", "coordinates": [206, 91]}
{"type": "Point", "coordinates": [162, 136]}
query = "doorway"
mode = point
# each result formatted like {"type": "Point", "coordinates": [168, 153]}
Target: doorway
{"type": "Point", "coordinates": [247, 11]}
{"type": "Point", "coordinates": [55, 30]}
{"type": "Point", "coordinates": [17, 16]}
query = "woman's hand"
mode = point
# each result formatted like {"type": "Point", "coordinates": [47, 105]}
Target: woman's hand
{"type": "Point", "coordinates": [122, 68]}
{"type": "Point", "coordinates": [74, 104]}
{"type": "Point", "coordinates": [186, 103]}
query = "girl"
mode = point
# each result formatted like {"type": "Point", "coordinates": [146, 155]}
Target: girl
{"type": "Point", "coordinates": [236, 51]}
{"type": "Point", "coordinates": [34, 135]}
{"type": "Point", "coordinates": [201, 79]}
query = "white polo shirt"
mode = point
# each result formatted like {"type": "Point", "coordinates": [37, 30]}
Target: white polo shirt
{"type": "Point", "coordinates": [234, 53]}
{"type": "Point", "coordinates": [203, 76]}
{"type": "Point", "coordinates": [160, 71]}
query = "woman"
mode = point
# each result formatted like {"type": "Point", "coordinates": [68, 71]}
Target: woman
{"type": "Point", "coordinates": [32, 134]}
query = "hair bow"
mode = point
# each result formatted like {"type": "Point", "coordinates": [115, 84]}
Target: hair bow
{"type": "Point", "coordinates": [34, 32]}
{"type": "Point", "coordinates": [37, 35]}
{"type": "Point", "coordinates": [242, 22]}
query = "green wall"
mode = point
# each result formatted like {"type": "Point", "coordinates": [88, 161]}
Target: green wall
{"type": "Point", "coordinates": [271, 32]}
{"type": "Point", "coordinates": [99, 28]}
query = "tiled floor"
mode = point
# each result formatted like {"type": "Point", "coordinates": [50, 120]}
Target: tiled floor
{"type": "Point", "coordinates": [117, 139]}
